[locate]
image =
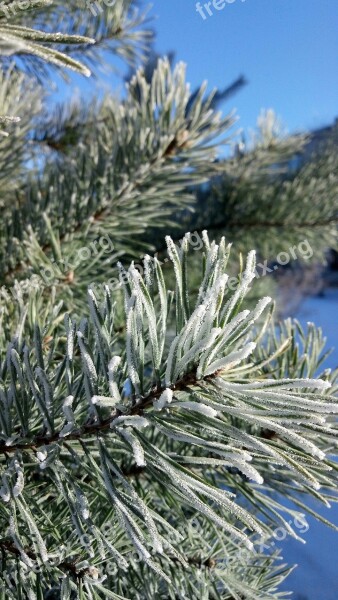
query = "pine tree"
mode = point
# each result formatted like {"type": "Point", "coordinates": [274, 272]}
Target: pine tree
{"type": "Point", "coordinates": [156, 421]}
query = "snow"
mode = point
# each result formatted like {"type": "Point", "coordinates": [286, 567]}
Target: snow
{"type": "Point", "coordinates": [323, 311]}
{"type": "Point", "coordinates": [316, 577]}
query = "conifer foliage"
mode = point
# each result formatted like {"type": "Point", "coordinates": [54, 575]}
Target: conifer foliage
{"type": "Point", "coordinates": [157, 426]}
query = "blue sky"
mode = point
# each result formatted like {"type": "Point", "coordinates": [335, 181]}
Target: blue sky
{"type": "Point", "coordinates": [287, 49]}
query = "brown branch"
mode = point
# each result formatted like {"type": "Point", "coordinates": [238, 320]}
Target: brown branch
{"type": "Point", "coordinates": [66, 566]}
{"type": "Point", "coordinates": [132, 471]}
{"type": "Point", "coordinates": [94, 429]}
{"type": "Point", "coordinates": [197, 561]}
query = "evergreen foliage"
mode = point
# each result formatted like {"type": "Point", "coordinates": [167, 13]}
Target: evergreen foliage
{"type": "Point", "coordinates": [157, 424]}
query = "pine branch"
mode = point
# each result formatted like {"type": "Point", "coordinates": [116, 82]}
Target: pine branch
{"type": "Point", "coordinates": [81, 37]}
{"type": "Point", "coordinates": [267, 188]}
{"type": "Point", "coordinates": [15, 40]}
{"type": "Point", "coordinates": [209, 406]}
{"type": "Point", "coordinates": [123, 179]}
{"type": "Point", "coordinates": [95, 429]}
{"type": "Point", "coordinates": [67, 567]}
{"type": "Point", "coordinates": [143, 448]}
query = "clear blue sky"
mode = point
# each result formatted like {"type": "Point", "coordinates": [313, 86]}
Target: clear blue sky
{"type": "Point", "coordinates": [287, 49]}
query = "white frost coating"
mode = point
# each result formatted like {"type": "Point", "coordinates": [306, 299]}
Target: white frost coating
{"type": "Point", "coordinates": [146, 302]}
{"type": "Point", "coordinates": [247, 278]}
{"type": "Point", "coordinates": [114, 364]}
{"type": "Point", "coordinates": [112, 371]}
{"type": "Point", "coordinates": [231, 360]}
{"type": "Point", "coordinates": [200, 346]}
{"type": "Point", "coordinates": [67, 411]}
{"type": "Point", "coordinates": [84, 507]}
{"type": "Point", "coordinates": [249, 471]}
{"type": "Point", "coordinates": [237, 320]}
{"type": "Point", "coordinates": [5, 494]}
{"type": "Point", "coordinates": [208, 350]}
{"type": "Point", "coordinates": [198, 407]}
{"type": "Point", "coordinates": [186, 241]}
{"type": "Point", "coordinates": [20, 482]}
{"type": "Point", "coordinates": [90, 367]}
{"type": "Point", "coordinates": [260, 307]}
{"type": "Point", "coordinates": [210, 267]}
{"type": "Point", "coordinates": [35, 531]}
{"type": "Point", "coordinates": [219, 285]}
{"type": "Point", "coordinates": [283, 397]}
{"type": "Point", "coordinates": [318, 384]}
{"type": "Point", "coordinates": [93, 572]}
{"type": "Point", "coordinates": [188, 330]}
{"type": "Point", "coordinates": [251, 263]}
{"type": "Point", "coordinates": [192, 328]}
{"type": "Point", "coordinates": [211, 297]}
{"type": "Point", "coordinates": [85, 514]}
{"type": "Point", "coordinates": [171, 246]}
{"type": "Point", "coordinates": [132, 421]}
{"type": "Point", "coordinates": [186, 488]}
{"type": "Point", "coordinates": [147, 270]}
{"type": "Point", "coordinates": [124, 279]}
{"type": "Point", "coordinates": [287, 384]}
{"type": "Point", "coordinates": [204, 322]}
{"type": "Point", "coordinates": [279, 389]}
{"type": "Point", "coordinates": [13, 534]}
{"type": "Point", "coordinates": [42, 455]}
{"type": "Point", "coordinates": [66, 408]}
{"type": "Point", "coordinates": [165, 398]}
{"type": "Point", "coordinates": [104, 401]}
{"type": "Point", "coordinates": [170, 360]}
{"type": "Point", "coordinates": [221, 342]}
{"type": "Point", "coordinates": [136, 446]}
{"type": "Point", "coordinates": [172, 253]}
{"type": "Point", "coordinates": [11, 440]}
{"type": "Point", "coordinates": [205, 239]}
{"type": "Point", "coordinates": [132, 370]}
{"type": "Point", "coordinates": [290, 435]}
